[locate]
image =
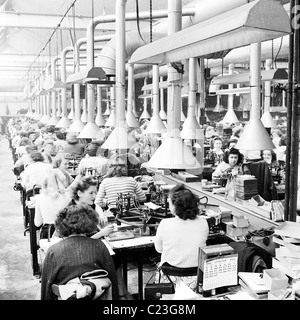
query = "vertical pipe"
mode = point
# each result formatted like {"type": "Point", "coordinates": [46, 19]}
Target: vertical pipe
{"type": "Point", "coordinates": [289, 117]}
{"type": "Point", "coordinates": [155, 90]}
{"type": "Point", "coordinates": [162, 101]}
{"type": "Point", "coordinates": [230, 86]}
{"type": "Point", "coordinates": [120, 62]}
{"type": "Point", "coordinates": [174, 78]}
{"type": "Point", "coordinates": [268, 88]}
{"type": "Point", "coordinates": [201, 88]}
{"type": "Point", "coordinates": [130, 97]}
{"type": "Point", "coordinates": [295, 122]}
{"type": "Point", "coordinates": [192, 87]}
{"type": "Point", "coordinates": [255, 79]}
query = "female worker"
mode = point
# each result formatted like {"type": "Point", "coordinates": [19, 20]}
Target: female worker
{"type": "Point", "coordinates": [231, 164]}
{"type": "Point", "coordinates": [178, 239]}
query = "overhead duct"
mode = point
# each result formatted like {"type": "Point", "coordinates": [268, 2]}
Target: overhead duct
{"type": "Point", "coordinates": [195, 12]}
{"type": "Point", "coordinates": [230, 116]}
{"type": "Point", "coordinates": [191, 128]}
{"type": "Point", "coordinates": [64, 122]}
{"type": "Point", "coordinates": [130, 117]}
{"type": "Point", "coordinates": [259, 20]}
{"type": "Point", "coordinates": [266, 75]}
{"type": "Point", "coordinates": [155, 126]}
{"type": "Point", "coordinates": [254, 135]}
{"type": "Point", "coordinates": [173, 153]}
{"type": "Point", "coordinates": [266, 118]}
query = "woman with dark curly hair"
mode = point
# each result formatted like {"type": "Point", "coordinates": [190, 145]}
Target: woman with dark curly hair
{"type": "Point", "coordinates": [84, 191]}
{"type": "Point", "coordinates": [77, 253]}
{"type": "Point", "coordinates": [178, 239]}
{"type": "Point", "coordinates": [231, 164]}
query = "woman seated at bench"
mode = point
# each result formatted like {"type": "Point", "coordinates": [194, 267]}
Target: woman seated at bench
{"type": "Point", "coordinates": [49, 202]}
{"type": "Point", "coordinates": [178, 239]}
{"type": "Point", "coordinates": [77, 253]}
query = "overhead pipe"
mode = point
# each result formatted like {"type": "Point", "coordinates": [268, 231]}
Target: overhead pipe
{"type": "Point", "coordinates": [78, 124]}
{"type": "Point", "coordinates": [130, 117]}
{"type": "Point", "coordinates": [195, 12]}
{"type": "Point", "coordinates": [162, 112]}
{"type": "Point", "coordinates": [191, 128]}
{"type": "Point", "coordinates": [54, 119]}
{"type": "Point", "coordinates": [155, 126]}
{"type": "Point", "coordinates": [230, 116]}
{"type": "Point", "coordinates": [119, 139]}
{"type": "Point", "coordinates": [111, 121]}
{"type": "Point", "coordinates": [254, 136]}
{"type": "Point", "coordinates": [173, 153]}
{"type": "Point", "coordinates": [99, 118]}
{"type": "Point", "coordinates": [120, 14]}
{"type": "Point", "coordinates": [64, 122]}
{"type": "Point", "coordinates": [266, 118]}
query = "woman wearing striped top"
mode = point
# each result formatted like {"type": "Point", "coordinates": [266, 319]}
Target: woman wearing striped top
{"type": "Point", "coordinates": [116, 182]}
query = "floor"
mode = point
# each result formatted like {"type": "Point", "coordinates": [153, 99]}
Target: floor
{"type": "Point", "coordinates": [16, 278]}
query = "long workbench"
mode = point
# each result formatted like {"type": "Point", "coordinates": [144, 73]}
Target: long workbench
{"type": "Point", "coordinates": [257, 217]}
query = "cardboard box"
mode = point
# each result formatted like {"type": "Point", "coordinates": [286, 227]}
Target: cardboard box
{"type": "Point", "coordinates": [213, 251]}
{"type": "Point", "coordinates": [275, 279]}
{"type": "Point", "coordinates": [276, 295]}
{"type": "Point", "coordinates": [246, 180]}
{"type": "Point", "coordinates": [257, 200]}
{"type": "Point", "coordinates": [233, 231]}
{"type": "Point", "coordinates": [245, 195]}
{"type": "Point", "coordinates": [185, 176]}
{"type": "Point", "coordinates": [240, 222]}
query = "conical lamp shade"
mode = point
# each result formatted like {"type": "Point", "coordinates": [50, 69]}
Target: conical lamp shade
{"type": "Point", "coordinates": [118, 139]}
{"type": "Point", "coordinates": [111, 121]}
{"type": "Point", "coordinates": [135, 113]}
{"type": "Point", "coordinates": [84, 117]}
{"type": "Point", "coordinates": [76, 126]}
{"type": "Point", "coordinates": [254, 137]}
{"type": "Point", "coordinates": [230, 117]}
{"type": "Point", "coordinates": [53, 121]}
{"type": "Point", "coordinates": [182, 117]}
{"type": "Point", "coordinates": [163, 114]}
{"type": "Point", "coordinates": [156, 125]}
{"type": "Point", "coordinates": [145, 115]}
{"type": "Point", "coordinates": [267, 120]}
{"type": "Point", "coordinates": [44, 118]}
{"type": "Point", "coordinates": [71, 114]}
{"type": "Point", "coordinates": [99, 120]}
{"type": "Point", "coordinates": [90, 131]}
{"type": "Point", "coordinates": [173, 153]}
{"type": "Point", "coordinates": [191, 129]}
{"type": "Point", "coordinates": [131, 120]}
{"type": "Point", "coordinates": [107, 111]}
{"type": "Point", "coordinates": [64, 122]}
{"type": "Point", "coordinates": [218, 108]}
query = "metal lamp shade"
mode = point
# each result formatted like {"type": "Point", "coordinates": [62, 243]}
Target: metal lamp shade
{"type": "Point", "coordinates": [76, 126]}
{"type": "Point", "coordinates": [90, 131]}
{"type": "Point", "coordinates": [111, 121]}
{"type": "Point", "coordinates": [173, 154]}
{"type": "Point", "coordinates": [163, 115]}
{"type": "Point", "coordinates": [254, 137]}
{"type": "Point", "coordinates": [230, 117]}
{"type": "Point", "coordinates": [64, 122]}
{"type": "Point", "coordinates": [156, 125]}
{"type": "Point", "coordinates": [267, 120]}
{"type": "Point", "coordinates": [118, 139]}
{"type": "Point", "coordinates": [191, 129]}
{"type": "Point", "coordinates": [131, 120]}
